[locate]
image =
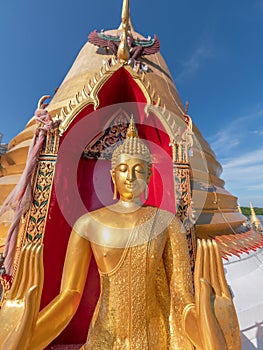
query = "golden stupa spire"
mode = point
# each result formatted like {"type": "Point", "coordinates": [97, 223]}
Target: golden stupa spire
{"type": "Point", "coordinates": [124, 49]}
{"type": "Point", "coordinates": [125, 14]}
{"type": "Point", "coordinates": [125, 10]}
{"type": "Point", "coordinates": [253, 218]}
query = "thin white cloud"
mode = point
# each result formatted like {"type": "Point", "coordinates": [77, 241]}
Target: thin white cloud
{"type": "Point", "coordinates": [244, 176]}
{"type": "Point", "coordinates": [224, 141]}
{"type": "Point", "coordinates": [236, 133]}
{"type": "Point", "coordinates": [250, 158]}
{"type": "Point", "coordinates": [191, 64]}
{"type": "Point", "coordinates": [257, 132]}
{"type": "Point", "coordinates": [239, 148]}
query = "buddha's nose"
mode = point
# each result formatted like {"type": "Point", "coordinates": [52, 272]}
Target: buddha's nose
{"type": "Point", "coordinates": [130, 175]}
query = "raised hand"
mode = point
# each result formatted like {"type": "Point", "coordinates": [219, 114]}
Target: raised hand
{"type": "Point", "coordinates": [19, 313]}
{"type": "Point", "coordinates": [211, 323]}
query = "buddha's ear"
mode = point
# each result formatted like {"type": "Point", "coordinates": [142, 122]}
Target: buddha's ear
{"type": "Point", "coordinates": [112, 172]}
{"type": "Point", "coordinates": [149, 175]}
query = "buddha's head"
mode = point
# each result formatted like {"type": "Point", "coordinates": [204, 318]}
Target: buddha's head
{"type": "Point", "coordinates": [131, 167]}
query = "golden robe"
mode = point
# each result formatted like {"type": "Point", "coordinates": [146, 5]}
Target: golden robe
{"type": "Point", "coordinates": [142, 299]}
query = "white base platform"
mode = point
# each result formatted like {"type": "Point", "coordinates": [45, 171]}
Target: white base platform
{"type": "Point", "coordinates": [245, 277]}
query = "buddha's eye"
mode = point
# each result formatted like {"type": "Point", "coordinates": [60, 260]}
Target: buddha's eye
{"type": "Point", "coordinates": [139, 169]}
{"type": "Point", "coordinates": [122, 168]}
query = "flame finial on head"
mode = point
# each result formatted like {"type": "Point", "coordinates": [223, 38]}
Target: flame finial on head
{"type": "Point", "coordinates": [132, 131]}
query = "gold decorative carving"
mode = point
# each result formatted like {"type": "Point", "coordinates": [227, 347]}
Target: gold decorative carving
{"type": "Point", "coordinates": [44, 174]}
{"type": "Point", "coordinates": [89, 93]}
{"type": "Point", "coordinates": [104, 144]}
{"type": "Point", "coordinates": [181, 147]}
{"type": "Point", "coordinates": [5, 285]}
{"type": "Point", "coordinates": [36, 219]}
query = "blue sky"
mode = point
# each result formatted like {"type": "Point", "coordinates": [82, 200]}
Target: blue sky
{"type": "Point", "coordinates": [213, 49]}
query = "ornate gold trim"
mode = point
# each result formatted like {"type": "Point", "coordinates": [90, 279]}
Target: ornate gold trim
{"type": "Point", "coordinates": [89, 93]}
{"type": "Point", "coordinates": [36, 217]}
{"type": "Point", "coordinates": [181, 145]}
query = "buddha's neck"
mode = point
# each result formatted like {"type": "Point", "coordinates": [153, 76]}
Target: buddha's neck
{"type": "Point", "coordinates": [129, 206]}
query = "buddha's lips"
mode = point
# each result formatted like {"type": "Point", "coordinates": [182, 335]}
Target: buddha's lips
{"type": "Point", "coordinates": [130, 185]}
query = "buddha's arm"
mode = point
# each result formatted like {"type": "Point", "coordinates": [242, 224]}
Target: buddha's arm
{"type": "Point", "coordinates": [177, 263]}
{"type": "Point", "coordinates": [178, 271]}
{"type": "Point", "coordinates": [56, 315]}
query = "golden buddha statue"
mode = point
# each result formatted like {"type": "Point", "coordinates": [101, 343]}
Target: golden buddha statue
{"type": "Point", "coordinates": [147, 300]}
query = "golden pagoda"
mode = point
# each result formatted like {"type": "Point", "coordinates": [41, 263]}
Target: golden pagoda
{"type": "Point", "coordinates": [217, 210]}
{"type": "Point", "coordinates": [117, 73]}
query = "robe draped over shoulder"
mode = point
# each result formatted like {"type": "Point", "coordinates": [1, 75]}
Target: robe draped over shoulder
{"type": "Point", "coordinates": [135, 310]}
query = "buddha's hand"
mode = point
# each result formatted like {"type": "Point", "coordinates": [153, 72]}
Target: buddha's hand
{"type": "Point", "coordinates": [19, 313]}
{"type": "Point", "coordinates": [211, 323]}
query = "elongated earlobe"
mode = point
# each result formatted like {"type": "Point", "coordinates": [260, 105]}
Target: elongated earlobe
{"type": "Point", "coordinates": [146, 193]}
{"type": "Point", "coordinates": [115, 192]}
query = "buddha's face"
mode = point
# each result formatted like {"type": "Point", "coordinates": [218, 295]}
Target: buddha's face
{"type": "Point", "coordinates": [131, 176]}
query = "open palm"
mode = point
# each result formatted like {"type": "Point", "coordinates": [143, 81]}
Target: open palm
{"type": "Point", "coordinates": [211, 323]}
{"type": "Point", "coordinates": [20, 310]}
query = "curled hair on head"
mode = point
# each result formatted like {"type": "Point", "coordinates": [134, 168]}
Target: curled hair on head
{"type": "Point", "coordinates": [132, 146]}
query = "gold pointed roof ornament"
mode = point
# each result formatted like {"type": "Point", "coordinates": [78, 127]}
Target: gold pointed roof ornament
{"type": "Point", "coordinates": [125, 10]}
{"type": "Point", "coordinates": [124, 49]}
{"type": "Point", "coordinates": [245, 223]}
{"type": "Point", "coordinates": [239, 209]}
{"type": "Point", "coordinates": [255, 222]}
{"type": "Point", "coordinates": [132, 131]}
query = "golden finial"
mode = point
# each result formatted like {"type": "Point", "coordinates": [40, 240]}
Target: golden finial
{"type": "Point", "coordinates": [125, 15]}
{"type": "Point", "coordinates": [253, 218]}
{"type": "Point", "coordinates": [239, 209]}
{"type": "Point", "coordinates": [124, 50]}
{"type": "Point", "coordinates": [132, 131]}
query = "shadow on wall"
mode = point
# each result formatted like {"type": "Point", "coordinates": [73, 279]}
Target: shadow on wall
{"type": "Point", "coordinates": [247, 344]}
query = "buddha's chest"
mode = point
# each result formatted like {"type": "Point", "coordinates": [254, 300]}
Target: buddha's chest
{"type": "Point", "coordinates": [149, 252]}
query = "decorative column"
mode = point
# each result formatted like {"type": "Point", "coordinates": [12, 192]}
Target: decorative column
{"type": "Point", "coordinates": [42, 185]}
{"type": "Point", "coordinates": [181, 150]}
{"type": "Point", "coordinates": [34, 219]}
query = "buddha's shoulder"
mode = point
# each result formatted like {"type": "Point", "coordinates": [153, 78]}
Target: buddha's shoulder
{"type": "Point", "coordinates": [95, 217]}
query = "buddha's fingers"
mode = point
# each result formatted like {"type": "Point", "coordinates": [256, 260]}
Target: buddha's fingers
{"type": "Point", "coordinates": [191, 326]}
{"type": "Point", "coordinates": [31, 268]}
{"type": "Point", "coordinates": [213, 269]}
{"type": "Point", "coordinates": [213, 338]}
{"type": "Point", "coordinates": [27, 271]}
{"type": "Point", "coordinates": [28, 322]}
{"type": "Point", "coordinates": [220, 271]}
{"type": "Point", "coordinates": [17, 280]}
{"type": "Point", "coordinates": [198, 273]}
{"type": "Point", "coordinates": [38, 271]}
{"type": "Point", "coordinates": [206, 264]}
{"type": "Point", "coordinates": [21, 336]}
{"type": "Point", "coordinates": [30, 290]}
